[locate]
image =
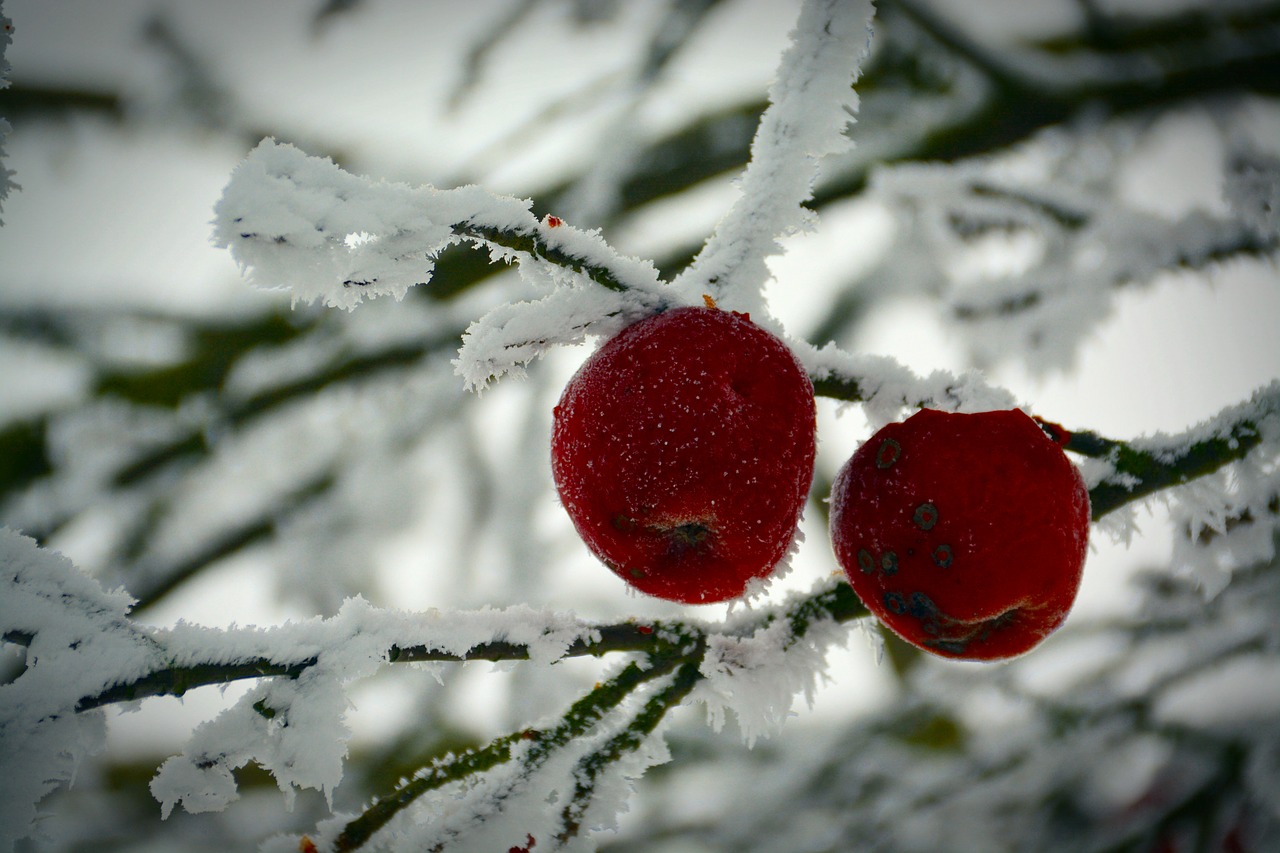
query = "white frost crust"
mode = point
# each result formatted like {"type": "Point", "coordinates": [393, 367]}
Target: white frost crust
{"type": "Point", "coordinates": [79, 640]}
{"type": "Point", "coordinates": [303, 224]}
{"type": "Point", "coordinates": [888, 387]}
{"type": "Point", "coordinates": [757, 676]}
{"type": "Point", "coordinates": [1225, 519]}
{"type": "Point", "coordinates": [811, 103]}
{"type": "Point", "coordinates": [295, 728]}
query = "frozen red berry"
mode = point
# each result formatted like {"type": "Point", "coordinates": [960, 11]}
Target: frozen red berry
{"type": "Point", "coordinates": [964, 533]}
{"type": "Point", "coordinates": [683, 452]}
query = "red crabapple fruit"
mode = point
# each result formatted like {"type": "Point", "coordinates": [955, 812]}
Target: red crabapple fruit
{"type": "Point", "coordinates": [964, 533]}
{"type": "Point", "coordinates": [683, 452]}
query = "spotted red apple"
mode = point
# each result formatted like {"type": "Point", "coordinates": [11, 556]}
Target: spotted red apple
{"type": "Point", "coordinates": [964, 533]}
{"type": "Point", "coordinates": [683, 452]}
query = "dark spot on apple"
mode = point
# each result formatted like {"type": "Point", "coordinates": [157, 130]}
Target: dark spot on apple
{"type": "Point", "coordinates": [866, 562]}
{"type": "Point", "coordinates": [942, 556]}
{"type": "Point", "coordinates": [995, 623]}
{"type": "Point", "coordinates": [926, 516]}
{"type": "Point", "coordinates": [623, 523]}
{"type": "Point", "coordinates": [922, 606]}
{"type": "Point", "coordinates": [950, 647]}
{"type": "Point", "coordinates": [888, 453]}
{"type": "Point", "coordinates": [895, 603]}
{"type": "Point", "coordinates": [889, 562]}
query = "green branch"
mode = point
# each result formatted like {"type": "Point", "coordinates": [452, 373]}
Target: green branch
{"type": "Point", "coordinates": [579, 719]}
{"type": "Point", "coordinates": [625, 742]}
{"type": "Point", "coordinates": [531, 243]}
{"type": "Point", "coordinates": [1144, 468]}
{"type": "Point", "coordinates": [177, 680]}
{"type": "Point", "coordinates": [1140, 468]}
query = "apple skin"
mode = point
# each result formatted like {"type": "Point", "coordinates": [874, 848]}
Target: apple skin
{"type": "Point", "coordinates": [683, 452]}
{"type": "Point", "coordinates": [965, 534]}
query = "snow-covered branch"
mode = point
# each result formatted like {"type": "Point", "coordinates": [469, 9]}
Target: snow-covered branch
{"type": "Point", "coordinates": [302, 223]}
{"type": "Point", "coordinates": [530, 749]}
{"type": "Point", "coordinates": [6, 175]}
{"type": "Point", "coordinates": [1137, 469]}
{"type": "Point", "coordinates": [811, 103]}
{"type": "Point", "coordinates": [82, 640]}
{"type": "Point", "coordinates": [885, 387]}
{"type": "Point", "coordinates": [746, 665]}
{"type": "Point", "coordinates": [1029, 248]}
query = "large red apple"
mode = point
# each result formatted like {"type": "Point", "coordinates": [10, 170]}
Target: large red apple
{"type": "Point", "coordinates": [964, 533]}
{"type": "Point", "coordinates": [683, 452]}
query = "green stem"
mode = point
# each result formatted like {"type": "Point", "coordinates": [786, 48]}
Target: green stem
{"type": "Point", "coordinates": [581, 716]}
{"type": "Point", "coordinates": [1142, 471]}
{"type": "Point", "coordinates": [531, 243]}
{"type": "Point", "coordinates": [177, 680]}
{"type": "Point", "coordinates": [627, 741]}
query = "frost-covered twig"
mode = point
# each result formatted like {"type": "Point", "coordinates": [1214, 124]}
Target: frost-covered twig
{"type": "Point", "coordinates": [223, 664]}
{"type": "Point", "coordinates": [1073, 241]}
{"type": "Point", "coordinates": [176, 680]}
{"type": "Point", "coordinates": [6, 175]}
{"type": "Point", "coordinates": [811, 103]}
{"type": "Point", "coordinates": [631, 738]}
{"type": "Point", "coordinates": [539, 745]}
{"type": "Point", "coordinates": [1139, 468]}
{"type": "Point", "coordinates": [886, 387]}
{"type": "Point", "coordinates": [302, 223]}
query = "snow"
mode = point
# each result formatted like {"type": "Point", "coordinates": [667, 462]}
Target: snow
{"type": "Point", "coordinates": [6, 175]}
{"type": "Point", "coordinates": [329, 236]}
{"type": "Point", "coordinates": [79, 640]}
{"type": "Point", "coordinates": [301, 223]}
{"type": "Point", "coordinates": [1253, 190]}
{"type": "Point", "coordinates": [756, 676]}
{"type": "Point", "coordinates": [811, 103]}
